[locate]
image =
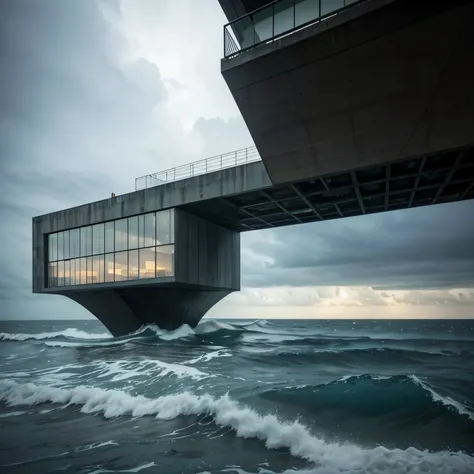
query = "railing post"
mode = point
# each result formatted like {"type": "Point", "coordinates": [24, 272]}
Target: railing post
{"type": "Point", "coordinates": [294, 13]}
{"type": "Point", "coordinates": [246, 155]}
{"type": "Point", "coordinates": [235, 158]}
{"type": "Point", "coordinates": [273, 21]}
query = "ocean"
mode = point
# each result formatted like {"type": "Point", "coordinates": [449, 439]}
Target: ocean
{"type": "Point", "coordinates": [237, 396]}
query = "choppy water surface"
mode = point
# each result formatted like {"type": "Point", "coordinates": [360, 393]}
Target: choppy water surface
{"type": "Point", "coordinates": [238, 397]}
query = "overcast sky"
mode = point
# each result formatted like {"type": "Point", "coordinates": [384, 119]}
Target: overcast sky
{"type": "Point", "coordinates": [96, 93]}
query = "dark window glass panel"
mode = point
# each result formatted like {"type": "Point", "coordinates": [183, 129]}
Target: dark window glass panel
{"type": "Point", "coordinates": [61, 273]}
{"type": "Point", "coordinates": [284, 19]}
{"type": "Point", "coordinates": [83, 241]}
{"type": "Point", "coordinates": [60, 245]}
{"type": "Point", "coordinates": [98, 269]}
{"type": "Point", "coordinates": [262, 23]}
{"type": "Point", "coordinates": [163, 227]}
{"type": "Point", "coordinates": [89, 240]}
{"type": "Point", "coordinates": [121, 235]}
{"type": "Point", "coordinates": [305, 11]}
{"type": "Point", "coordinates": [109, 236]}
{"type": "Point", "coordinates": [53, 275]}
{"type": "Point", "coordinates": [172, 226]}
{"type": "Point", "coordinates": [133, 232]}
{"type": "Point", "coordinates": [67, 272]}
{"type": "Point", "coordinates": [90, 271]}
{"type": "Point", "coordinates": [98, 239]}
{"type": "Point", "coordinates": [147, 263]}
{"type": "Point", "coordinates": [83, 276]}
{"type": "Point", "coordinates": [66, 244]}
{"type": "Point", "coordinates": [52, 247]}
{"type": "Point", "coordinates": [77, 275]}
{"type": "Point", "coordinates": [74, 247]}
{"type": "Point", "coordinates": [133, 265]}
{"type": "Point", "coordinates": [141, 230]}
{"type": "Point", "coordinates": [121, 266]}
{"type": "Point", "coordinates": [149, 233]}
{"type": "Point", "coordinates": [329, 6]}
{"type": "Point", "coordinates": [109, 267]}
{"type": "Point", "coordinates": [72, 272]}
{"type": "Point", "coordinates": [165, 261]}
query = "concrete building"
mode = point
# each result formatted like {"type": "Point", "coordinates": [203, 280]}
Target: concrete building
{"type": "Point", "coordinates": [355, 107]}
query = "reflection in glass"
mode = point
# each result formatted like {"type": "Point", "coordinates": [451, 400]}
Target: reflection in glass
{"type": "Point", "coordinates": [133, 265]}
{"type": "Point", "coordinates": [60, 245]}
{"type": "Point", "coordinates": [89, 240]}
{"type": "Point", "coordinates": [141, 230]}
{"type": "Point", "coordinates": [109, 267]}
{"type": "Point", "coordinates": [52, 247]}
{"type": "Point", "coordinates": [61, 273]}
{"type": "Point", "coordinates": [121, 266]}
{"type": "Point", "coordinates": [66, 244]}
{"type": "Point", "coordinates": [67, 272]}
{"type": "Point", "coordinates": [83, 241]}
{"type": "Point", "coordinates": [133, 232]}
{"type": "Point", "coordinates": [72, 272]}
{"type": "Point", "coordinates": [77, 266]}
{"type": "Point", "coordinates": [98, 239]}
{"type": "Point", "coordinates": [109, 236]}
{"type": "Point", "coordinates": [83, 266]}
{"type": "Point", "coordinates": [98, 269]}
{"type": "Point", "coordinates": [305, 11]}
{"type": "Point", "coordinates": [165, 261]}
{"type": "Point", "coordinates": [147, 263]}
{"type": "Point", "coordinates": [149, 232]}
{"type": "Point", "coordinates": [121, 235]}
{"type": "Point", "coordinates": [74, 238]}
{"type": "Point", "coordinates": [163, 227]}
{"type": "Point", "coordinates": [283, 20]}
{"type": "Point", "coordinates": [53, 275]}
{"type": "Point", "coordinates": [90, 274]}
{"type": "Point", "coordinates": [328, 6]}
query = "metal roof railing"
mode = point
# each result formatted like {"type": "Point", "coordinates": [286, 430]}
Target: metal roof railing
{"type": "Point", "coordinates": [277, 19]}
{"type": "Point", "coordinates": [208, 165]}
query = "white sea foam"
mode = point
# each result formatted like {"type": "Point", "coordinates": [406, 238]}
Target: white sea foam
{"type": "Point", "coordinates": [445, 400]}
{"type": "Point", "coordinates": [329, 458]}
{"type": "Point", "coordinates": [133, 469]}
{"type": "Point", "coordinates": [12, 413]}
{"type": "Point", "coordinates": [123, 370]}
{"type": "Point", "coordinates": [98, 444]}
{"type": "Point", "coordinates": [209, 356]}
{"type": "Point", "coordinates": [70, 332]}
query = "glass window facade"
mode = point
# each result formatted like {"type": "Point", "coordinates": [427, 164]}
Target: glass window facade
{"type": "Point", "coordinates": [138, 247]}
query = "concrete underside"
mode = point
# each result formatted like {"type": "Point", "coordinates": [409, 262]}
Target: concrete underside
{"type": "Point", "coordinates": [424, 180]}
{"type": "Point", "coordinates": [123, 311]}
{"type": "Point", "coordinates": [385, 81]}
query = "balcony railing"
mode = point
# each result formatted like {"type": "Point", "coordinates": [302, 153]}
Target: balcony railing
{"type": "Point", "coordinates": [215, 163]}
{"type": "Point", "coordinates": [277, 19]}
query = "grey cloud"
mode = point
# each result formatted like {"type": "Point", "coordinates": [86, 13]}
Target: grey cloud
{"type": "Point", "coordinates": [426, 248]}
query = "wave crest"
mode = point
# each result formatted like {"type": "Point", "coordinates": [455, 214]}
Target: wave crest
{"type": "Point", "coordinates": [72, 333]}
{"type": "Point", "coordinates": [246, 423]}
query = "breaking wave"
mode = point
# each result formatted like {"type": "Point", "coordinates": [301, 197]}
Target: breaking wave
{"type": "Point", "coordinates": [246, 423]}
{"type": "Point", "coordinates": [362, 395]}
{"type": "Point", "coordinates": [71, 333]}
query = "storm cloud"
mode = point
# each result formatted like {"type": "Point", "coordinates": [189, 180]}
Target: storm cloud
{"type": "Point", "coordinates": [96, 93]}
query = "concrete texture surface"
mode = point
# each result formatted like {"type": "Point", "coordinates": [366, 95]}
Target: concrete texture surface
{"type": "Point", "coordinates": [384, 81]}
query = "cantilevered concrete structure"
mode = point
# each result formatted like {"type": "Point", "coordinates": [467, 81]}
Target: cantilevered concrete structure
{"type": "Point", "coordinates": [354, 109]}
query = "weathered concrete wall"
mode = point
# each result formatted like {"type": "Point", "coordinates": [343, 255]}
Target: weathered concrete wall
{"type": "Point", "coordinates": [126, 310]}
{"type": "Point", "coordinates": [195, 191]}
{"type": "Point", "coordinates": [206, 254]}
{"type": "Point", "coordinates": [384, 81]}
{"type": "Point", "coordinates": [207, 268]}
